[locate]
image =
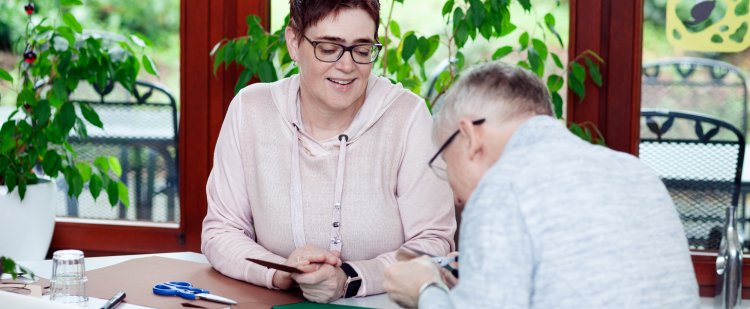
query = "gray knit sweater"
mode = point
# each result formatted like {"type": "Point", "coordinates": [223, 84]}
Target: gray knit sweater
{"type": "Point", "coordinates": [560, 223]}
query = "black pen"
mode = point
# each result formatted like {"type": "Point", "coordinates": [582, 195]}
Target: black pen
{"type": "Point", "coordinates": [114, 301]}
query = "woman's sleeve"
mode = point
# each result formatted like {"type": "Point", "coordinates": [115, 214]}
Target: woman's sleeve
{"type": "Point", "coordinates": [425, 203]}
{"type": "Point", "coordinates": [228, 235]}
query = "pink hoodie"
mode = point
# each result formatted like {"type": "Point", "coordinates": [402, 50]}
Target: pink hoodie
{"type": "Point", "coordinates": [273, 188]}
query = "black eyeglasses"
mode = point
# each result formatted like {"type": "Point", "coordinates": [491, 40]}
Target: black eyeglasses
{"type": "Point", "coordinates": [439, 167]}
{"type": "Point", "coordinates": [365, 53]}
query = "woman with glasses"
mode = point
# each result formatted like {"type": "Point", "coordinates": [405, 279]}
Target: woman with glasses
{"type": "Point", "coordinates": [325, 170]}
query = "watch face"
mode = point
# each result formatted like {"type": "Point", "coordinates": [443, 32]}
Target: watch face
{"type": "Point", "coordinates": [351, 287]}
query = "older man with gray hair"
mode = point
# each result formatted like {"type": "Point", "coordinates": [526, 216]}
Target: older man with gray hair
{"type": "Point", "coordinates": [550, 221]}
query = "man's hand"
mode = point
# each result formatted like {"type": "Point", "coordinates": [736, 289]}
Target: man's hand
{"type": "Point", "coordinates": [447, 276]}
{"type": "Point", "coordinates": [308, 259]}
{"type": "Point", "coordinates": [404, 279]}
{"type": "Point", "coordinates": [323, 285]}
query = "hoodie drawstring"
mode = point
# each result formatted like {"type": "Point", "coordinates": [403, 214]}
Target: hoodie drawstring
{"type": "Point", "coordinates": [339, 188]}
{"type": "Point", "coordinates": [298, 223]}
{"type": "Point", "coordinates": [298, 230]}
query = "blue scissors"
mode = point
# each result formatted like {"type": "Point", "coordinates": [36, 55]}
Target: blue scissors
{"type": "Point", "coordinates": [187, 291]}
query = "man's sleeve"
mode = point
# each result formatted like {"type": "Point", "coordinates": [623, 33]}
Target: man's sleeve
{"type": "Point", "coordinates": [496, 262]}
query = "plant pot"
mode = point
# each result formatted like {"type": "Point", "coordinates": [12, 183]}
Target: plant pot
{"type": "Point", "coordinates": [26, 226]}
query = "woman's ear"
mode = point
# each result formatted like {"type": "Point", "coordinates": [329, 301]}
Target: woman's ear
{"type": "Point", "coordinates": [292, 42]}
{"type": "Point", "coordinates": [473, 138]}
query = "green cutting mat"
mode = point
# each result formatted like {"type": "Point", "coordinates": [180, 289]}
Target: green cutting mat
{"type": "Point", "coordinates": [309, 305]}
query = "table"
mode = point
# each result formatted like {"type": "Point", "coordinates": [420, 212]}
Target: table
{"type": "Point", "coordinates": [44, 269]}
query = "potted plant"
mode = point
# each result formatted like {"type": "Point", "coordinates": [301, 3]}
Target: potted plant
{"type": "Point", "coordinates": [34, 138]}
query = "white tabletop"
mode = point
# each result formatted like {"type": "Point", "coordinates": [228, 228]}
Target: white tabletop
{"type": "Point", "coordinates": [44, 269]}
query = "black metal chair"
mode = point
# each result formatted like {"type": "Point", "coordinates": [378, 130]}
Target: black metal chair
{"type": "Point", "coordinates": [699, 158]}
{"type": "Point", "coordinates": [707, 86]}
{"type": "Point", "coordinates": [141, 129]}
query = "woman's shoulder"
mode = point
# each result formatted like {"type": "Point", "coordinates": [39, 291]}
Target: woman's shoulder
{"type": "Point", "coordinates": [261, 95]}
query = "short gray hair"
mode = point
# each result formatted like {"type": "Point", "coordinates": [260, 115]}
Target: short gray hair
{"type": "Point", "coordinates": [493, 90]}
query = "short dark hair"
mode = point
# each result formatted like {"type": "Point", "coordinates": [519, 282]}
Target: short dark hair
{"type": "Point", "coordinates": [307, 13]}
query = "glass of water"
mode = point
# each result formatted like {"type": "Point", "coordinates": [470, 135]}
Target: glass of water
{"type": "Point", "coordinates": [68, 282]}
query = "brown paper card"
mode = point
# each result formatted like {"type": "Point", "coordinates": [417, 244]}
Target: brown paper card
{"type": "Point", "coordinates": [137, 277]}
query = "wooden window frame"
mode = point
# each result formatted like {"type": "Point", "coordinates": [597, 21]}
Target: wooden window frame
{"type": "Point", "coordinates": [611, 28]}
{"type": "Point", "coordinates": [204, 101]}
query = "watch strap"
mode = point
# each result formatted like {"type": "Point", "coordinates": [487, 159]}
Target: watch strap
{"type": "Point", "coordinates": [354, 282]}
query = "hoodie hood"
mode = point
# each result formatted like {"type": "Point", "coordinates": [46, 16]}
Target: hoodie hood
{"type": "Point", "coordinates": [380, 94]}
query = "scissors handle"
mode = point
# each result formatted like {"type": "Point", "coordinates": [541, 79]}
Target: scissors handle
{"type": "Point", "coordinates": [178, 288]}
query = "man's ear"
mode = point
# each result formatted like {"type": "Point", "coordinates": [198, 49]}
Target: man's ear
{"type": "Point", "coordinates": [292, 42]}
{"type": "Point", "coordinates": [473, 137]}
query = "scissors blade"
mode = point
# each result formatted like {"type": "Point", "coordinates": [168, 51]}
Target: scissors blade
{"type": "Point", "coordinates": [216, 298]}
{"type": "Point", "coordinates": [278, 266]}
{"type": "Point", "coordinates": [443, 260]}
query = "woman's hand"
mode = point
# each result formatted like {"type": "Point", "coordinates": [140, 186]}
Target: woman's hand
{"type": "Point", "coordinates": [308, 259]}
{"type": "Point", "coordinates": [323, 285]}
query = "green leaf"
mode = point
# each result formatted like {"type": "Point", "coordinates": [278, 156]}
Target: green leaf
{"type": "Point", "coordinates": [67, 117]}
{"type": "Point", "coordinates": [143, 41]}
{"type": "Point", "coordinates": [460, 60]}
{"type": "Point", "coordinates": [461, 35]}
{"type": "Point", "coordinates": [395, 29]}
{"type": "Point", "coordinates": [557, 61]}
{"type": "Point", "coordinates": [90, 115]}
{"type": "Point", "coordinates": [85, 170]}
{"type": "Point", "coordinates": [477, 12]}
{"type": "Point", "coordinates": [557, 104]}
{"type": "Point", "coordinates": [70, 2]}
{"type": "Point", "coordinates": [578, 71]}
{"type": "Point", "coordinates": [245, 77]}
{"type": "Point", "coordinates": [112, 193]}
{"type": "Point", "coordinates": [122, 193]}
{"type": "Point", "coordinates": [549, 21]}
{"type": "Point", "coordinates": [555, 83]}
{"type": "Point", "coordinates": [102, 163]}
{"type": "Point", "coordinates": [410, 46]}
{"type": "Point", "coordinates": [51, 163]}
{"type": "Point", "coordinates": [447, 7]}
{"type": "Point", "coordinates": [95, 186]}
{"type": "Point", "coordinates": [216, 48]}
{"type": "Point", "coordinates": [114, 164]}
{"type": "Point", "coordinates": [458, 19]}
{"type": "Point", "coordinates": [267, 72]}
{"type": "Point", "coordinates": [5, 75]}
{"type": "Point", "coordinates": [594, 72]}
{"type": "Point", "coordinates": [67, 33]}
{"type": "Point", "coordinates": [74, 180]}
{"type": "Point", "coordinates": [540, 47]}
{"type": "Point", "coordinates": [22, 188]}
{"type": "Point", "coordinates": [536, 63]}
{"type": "Point", "coordinates": [523, 40]}
{"type": "Point", "coordinates": [526, 4]}
{"type": "Point", "coordinates": [149, 65]}
{"type": "Point", "coordinates": [486, 30]}
{"type": "Point", "coordinates": [502, 52]}
{"type": "Point", "coordinates": [72, 22]}
{"type": "Point", "coordinates": [10, 179]}
{"type": "Point", "coordinates": [577, 85]}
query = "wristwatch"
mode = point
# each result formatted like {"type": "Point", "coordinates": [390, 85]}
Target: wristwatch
{"type": "Point", "coordinates": [353, 282]}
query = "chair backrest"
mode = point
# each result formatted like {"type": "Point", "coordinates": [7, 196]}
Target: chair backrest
{"type": "Point", "coordinates": [699, 158]}
{"type": "Point", "coordinates": [141, 129]}
{"type": "Point", "coordinates": [702, 85]}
